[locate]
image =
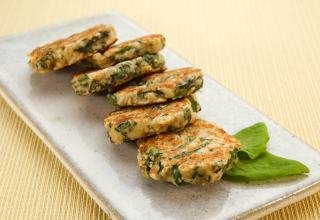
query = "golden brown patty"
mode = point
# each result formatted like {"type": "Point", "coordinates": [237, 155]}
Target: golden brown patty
{"type": "Point", "coordinates": [110, 77]}
{"type": "Point", "coordinates": [126, 51]}
{"type": "Point", "coordinates": [134, 123]}
{"type": "Point", "coordinates": [199, 154]}
{"type": "Point", "coordinates": [67, 51]}
{"type": "Point", "coordinates": [159, 88]}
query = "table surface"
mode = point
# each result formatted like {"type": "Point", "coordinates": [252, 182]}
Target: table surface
{"type": "Point", "coordinates": [267, 52]}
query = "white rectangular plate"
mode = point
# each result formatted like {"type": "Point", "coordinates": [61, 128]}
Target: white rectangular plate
{"type": "Point", "coordinates": [72, 127]}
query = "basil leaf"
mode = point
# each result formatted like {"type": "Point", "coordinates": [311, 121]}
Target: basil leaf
{"type": "Point", "coordinates": [266, 166]}
{"type": "Point", "coordinates": [253, 140]}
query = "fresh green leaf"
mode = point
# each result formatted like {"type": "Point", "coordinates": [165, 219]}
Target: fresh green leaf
{"type": "Point", "coordinates": [255, 163]}
{"type": "Point", "coordinates": [264, 167]}
{"type": "Point", "coordinates": [253, 140]}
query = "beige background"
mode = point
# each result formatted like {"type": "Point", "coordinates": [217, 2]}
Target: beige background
{"type": "Point", "coordinates": [267, 52]}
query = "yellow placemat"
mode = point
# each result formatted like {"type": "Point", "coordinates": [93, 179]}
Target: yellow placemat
{"type": "Point", "coordinates": [267, 52]}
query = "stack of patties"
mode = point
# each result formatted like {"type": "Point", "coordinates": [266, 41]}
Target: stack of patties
{"type": "Point", "coordinates": [159, 111]}
{"type": "Point", "coordinates": [120, 64]}
{"type": "Point", "coordinates": [154, 104]}
{"type": "Point", "coordinates": [156, 109]}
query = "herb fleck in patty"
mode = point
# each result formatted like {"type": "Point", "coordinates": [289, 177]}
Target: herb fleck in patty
{"type": "Point", "coordinates": [198, 154]}
{"type": "Point", "coordinates": [111, 77]}
{"type": "Point", "coordinates": [158, 88]}
{"type": "Point", "coordinates": [134, 123]}
{"type": "Point", "coordinates": [67, 51]}
{"type": "Point", "coordinates": [126, 51]}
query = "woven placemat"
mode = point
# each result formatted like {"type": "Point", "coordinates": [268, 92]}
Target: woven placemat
{"type": "Point", "coordinates": [267, 52]}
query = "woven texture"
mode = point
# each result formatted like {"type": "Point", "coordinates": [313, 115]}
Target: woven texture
{"type": "Point", "coordinates": [267, 52]}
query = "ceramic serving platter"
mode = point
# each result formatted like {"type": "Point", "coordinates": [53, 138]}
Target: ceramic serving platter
{"type": "Point", "coordinates": [72, 127]}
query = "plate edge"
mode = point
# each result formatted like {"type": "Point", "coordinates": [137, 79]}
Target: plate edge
{"type": "Point", "coordinates": [105, 205]}
{"type": "Point", "coordinates": [280, 202]}
{"type": "Point", "coordinates": [113, 214]}
{"type": "Point", "coordinates": [240, 99]}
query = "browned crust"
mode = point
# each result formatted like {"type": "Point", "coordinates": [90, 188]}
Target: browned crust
{"type": "Point", "coordinates": [120, 116]}
{"type": "Point", "coordinates": [44, 49]}
{"type": "Point", "coordinates": [125, 43]}
{"type": "Point", "coordinates": [167, 142]}
{"type": "Point", "coordinates": [166, 84]}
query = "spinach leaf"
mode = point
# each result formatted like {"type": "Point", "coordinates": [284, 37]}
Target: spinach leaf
{"type": "Point", "coordinates": [124, 71]}
{"type": "Point", "coordinates": [264, 167]}
{"type": "Point", "coordinates": [142, 94]}
{"type": "Point", "coordinates": [88, 47]}
{"type": "Point", "coordinates": [125, 49]}
{"type": "Point", "coordinates": [123, 126]}
{"type": "Point", "coordinates": [187, 115]}
{"type": "Point", "coordinates": [94, 41]}
{"type": "Point", "coordinates": [47, 61]}
{"type": "Point", "coordinates": [253, 140]}
{"type": "Point", "coordinates": [194, 104]}
{"type": "Point", "coordinates": [153, 157]}
{"type": "Point", "coordinates": [175, 173]}
{"type": "Point", "coordinates": [112, 99]}
{"type": "Point", "coordinates": [255, 163]}
{"type": "Point", "coordinates": [153, 60]}
{"type": "Point", "coordinates": [182, 89]}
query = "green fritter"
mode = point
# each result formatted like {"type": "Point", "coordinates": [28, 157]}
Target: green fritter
{"type": "Point", "coordinates": [70, 50]}
{"type": "Point", "coordinates": [126, 51]}
{"type": "Point", "coordinates": [158, 88]}
{"type": "Point", "coordinates": [109, 78]}
{"type": "Point", "coordinates": [198, 154]}
{"type": "Point", "coordinates": [133, 123]}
